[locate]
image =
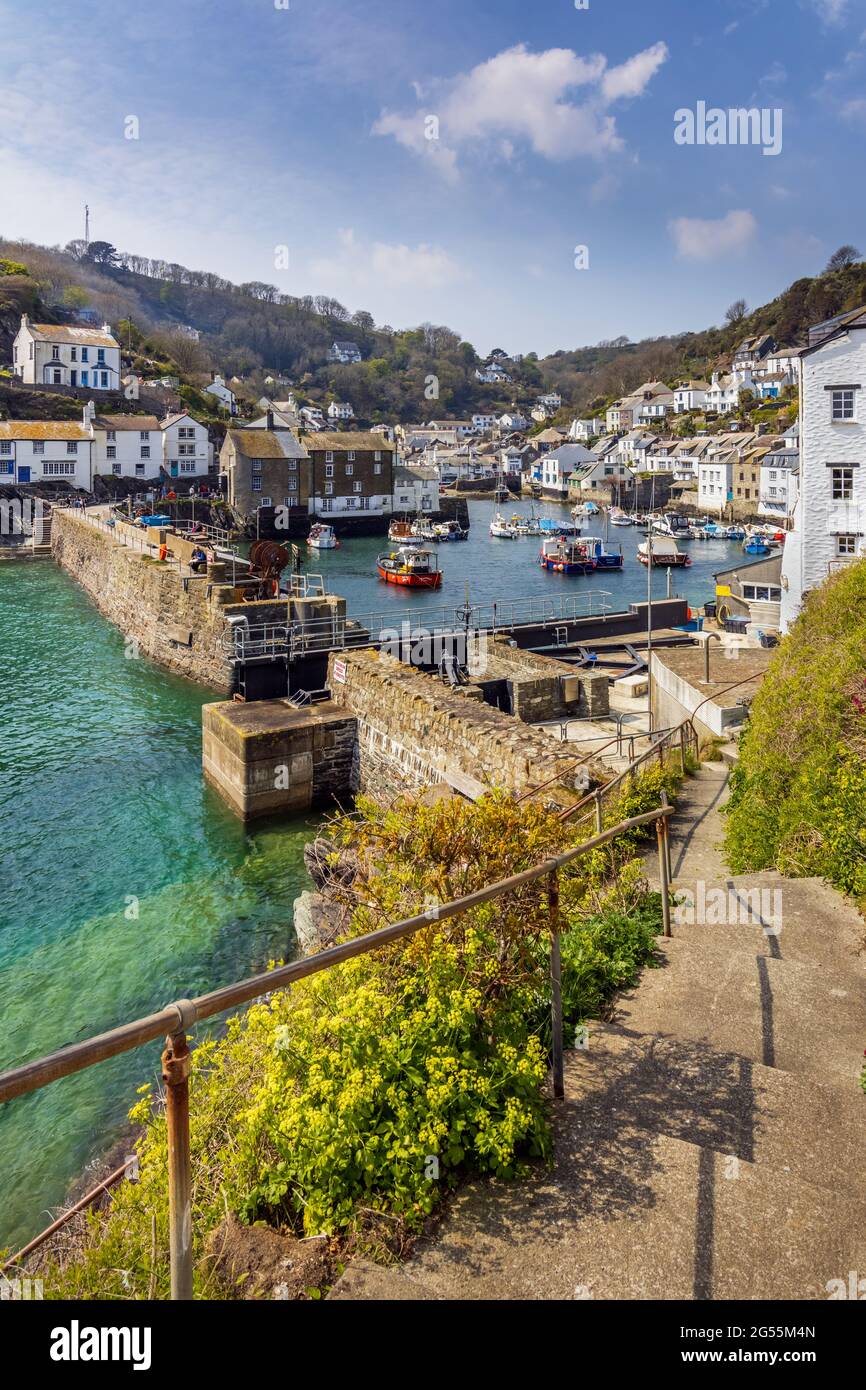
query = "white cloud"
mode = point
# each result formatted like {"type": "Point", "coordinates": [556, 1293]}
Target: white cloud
{"type": "Point", "coordinates": [831, 11]}
{"type": "Point", "coordinates": [523, 96]}
{"type": "Point", "coordinates": [701, 239]}
{"type": "Point", "coordinates": [358, 265]}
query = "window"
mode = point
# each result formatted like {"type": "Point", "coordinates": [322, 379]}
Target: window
{"type": "Point", "coordinates": [329, 458]}
{"type": "Point", "coordinates": [351, 455]}
{"type": "Point", "coordinates": [111, 451]}
{"type": "Point", "coordinates": [293, 465]}
{"type": "Point", "coordinates": [58, 470]}
{"type": "Point", "coordinates": [350, 468]}
{"type": "Point", "coordinates": [115, 468]}
{"type": "Point", "coordinates": [763, 593]}
{"type": "Point", "coordinates": [144, 434]}
{"type": "Point", "coordinates": [85, 354]}
{"type": "Point", "coordinates": [145, 451]}
{"type": "Point", "coordinates": [329, 470]}
{"type": "Point", "coordinates": [104, 376]}
{"type": "Point", "coordinates": [256, 483]}
{"type": "Point", "coordinates": [5, 447]}
{"type": "Point", "coordinates": [187, 467]}
{"type": "Point", "coordinates": [773, 474]}
{"type": "Point", "coordinates": [377, 456]}
{"type": "Point", "coordinates": [139, 470]}
{"type": "Point", "coordinates": [112, 435]}
{"type": "Point", "coordinates": [100, 354]}
{"type": "Point", "coordinates": [292, 484]}
{"type": "Point", "coordinates": [377, 468]}
{"type": "Point", "coordinates": [359, 487]}
{"type": "Point", "coordinates": [71, 446]}
{"type": "Point", "coordinates": [257, 466]}
{"type": "Point", "coordinates": [842, 483]}
{"type": "Point", "coordinates": [843, 405]}
{"type": "Point", "coordinates": [55, 354]}
{"type": "Point", "coordinates": [329, 488]}
{"type": "Point", "coordinates": [39, 446]}
{"type": "Point", "coordinates": [6, 468]}
{"type": "Point", "coordinates": [846, 545]}
{"type": "Point", "coordinates": [73, 354]}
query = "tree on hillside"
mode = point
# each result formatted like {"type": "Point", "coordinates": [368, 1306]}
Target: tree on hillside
{"type": "Point", "coordinates": [736, 312]}
{"type": "Point", "coordinates": [74, 297]}
{"type": "Point", "coordinates": [102, 253]}
{"type": "Point", "coordinates": [841, 259]}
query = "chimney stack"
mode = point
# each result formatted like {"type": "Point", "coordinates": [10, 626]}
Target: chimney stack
{"type": "Point", "coordinates": [269, 419]}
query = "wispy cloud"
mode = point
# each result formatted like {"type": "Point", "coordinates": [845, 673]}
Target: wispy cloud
{"type": "Point", "coordinates": [357, 265]}
{"type": "Point", "coordinates": [519, 97]}
{"type": "Point", "coordinates": [701, 239]}
{"type": "Point", "coordinates": [830, 11]}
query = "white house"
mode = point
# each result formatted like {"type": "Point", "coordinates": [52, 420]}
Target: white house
{"type": "Point", "coordinates": [125, 446]}
{"type": "Point", "coordinates": [830, 514]}
{"type": "Point", "coordinates": [386, 431]}
{"type": "Point", "coordinates": [50, 354]}
{"type": "Point", "coordinates": [186, 448]}
{"type": "Point", "coordinates": [416, 489]}
{"type": "Point", "coordinates": [312, 417]}
{"type": "Point", "coordinates": [656, 407]}
{"type": "Point", "coordinates": [344, 352]}
{"type": "Point", "coordinates": [780, 474]}
{"type": "Point", "coordinates": [36, 451]}
{"type": "Point", "coordinates": [224, 394]}
{"type": "Point", "coordinates": [340, 410]}
{"type": "Point", "coordinates": [553, 470]}
{"type": "Point", "coordinates": [632, 449]}
{"type": "Point", "coordinates": [482, 422]}
{"type": "Point", "coordinates": [715, 481]}
{"type": "Point", "coordinates": [690, 395]}
{"type": "Point", "coordinates": [723, 392]}
{"type": "Point", "coordinates": [552, 399]}
{"type": "Point", "coordinates": [584, 430]}
{"type": "Point", "coordinates": [492, 374]}
{"type": "Point", "coordinates": [511, 420]}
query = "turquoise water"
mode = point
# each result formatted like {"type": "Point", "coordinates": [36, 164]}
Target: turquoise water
{"type": "Point", "coordinates": [125, 881]}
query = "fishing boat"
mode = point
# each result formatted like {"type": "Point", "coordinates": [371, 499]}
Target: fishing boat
{"type": "Point", "coordinates": [664, 552]}
{"type": "Point", "coordinates": [322, 537]}
{"type": "Point", "coordinates": [401, 533]}
{"type": "Point", "coordinates": [756, 545]}
{"type": "Point", "coordinates": [423, 530]}
{"type": "Point", "coordinates": [620, 518]}
{"type": "Point", "coordinates": [564, 556]}
{"type": "Point", "coordinates": [585, 509]}
{"type": "Point", "coordinates": [502, 529]}
{"type": "Point", "coordinates": [410, 568]}
{"type": "Point", "coordinates": [670, 524]}
{"type": "Point", "coordinates": [449, 531]}
{"type": "Point", "coordinates": [525, 525]}
{"type": "Point", "coordinates": [604, 559]}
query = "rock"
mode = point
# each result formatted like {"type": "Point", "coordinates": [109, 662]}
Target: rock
{"type": "Point", "coordinates": [326, 864]}
{"type": "Point", "coordinates": [258, 1262]}
{"type": "Point", "coordinates": [317, 921]}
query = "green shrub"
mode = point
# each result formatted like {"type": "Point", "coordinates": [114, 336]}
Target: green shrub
{"type": "Point", "coordinates": [798, 792]}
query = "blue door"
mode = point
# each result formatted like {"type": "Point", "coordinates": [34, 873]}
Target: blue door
{"type": "Point", "coordinates": [23, 473]}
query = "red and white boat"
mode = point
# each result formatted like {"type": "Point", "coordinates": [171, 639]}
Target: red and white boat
{"type": "Point", "coordinates": [410, 568]}
{"type": "Point", "coordinates": [664, 552]}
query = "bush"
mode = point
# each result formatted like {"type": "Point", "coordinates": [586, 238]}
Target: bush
{"type": "Point", "coordinates": [798, 792]}
{"type": "Point", "coordinates": [373, 1087]}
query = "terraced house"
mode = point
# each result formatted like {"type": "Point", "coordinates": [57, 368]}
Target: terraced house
{"type": "Point", "coordinates": [37, 451]}
{"type": "Point", "coordinates": [55, 354]}
{"type": "Point", "coordinates": [351, 471]}
{"type": "Point", "coordinates": [264, 467]}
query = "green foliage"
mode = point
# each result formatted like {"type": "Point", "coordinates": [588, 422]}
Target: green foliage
{"type": "Point", "coordinates": [12, 267]}
{"type": "Point", "coordinates": [798, 793]}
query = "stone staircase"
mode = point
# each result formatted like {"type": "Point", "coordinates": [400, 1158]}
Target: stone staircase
{"type": "Point", "coordinates": [709, 1145]}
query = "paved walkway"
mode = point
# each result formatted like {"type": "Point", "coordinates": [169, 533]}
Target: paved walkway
{"type": "Point", "coordinates": [710, 1142]}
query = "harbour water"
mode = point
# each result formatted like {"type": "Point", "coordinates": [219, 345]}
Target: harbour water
{"type": "Point", "coordinates": [488, 569]}
{"type": "Point", "coordinates": [126, 882]}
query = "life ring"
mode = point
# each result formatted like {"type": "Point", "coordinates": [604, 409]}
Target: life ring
{"type": "Point", "coordinates": [689, 615]}
{"type": "Point", "coordinates": [722, 613]}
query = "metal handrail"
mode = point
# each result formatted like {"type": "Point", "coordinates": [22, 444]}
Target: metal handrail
{"type": "Point", "coordinates": [176, 1019]}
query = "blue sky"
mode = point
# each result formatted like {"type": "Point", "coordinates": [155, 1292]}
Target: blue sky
{"type": "Point", "coordinates": [261, 127]}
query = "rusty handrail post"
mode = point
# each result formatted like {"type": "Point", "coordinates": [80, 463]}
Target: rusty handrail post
{"type": "Point", "coordinates": [661, 826]}
{"type": "Point", "coordinates": [175, 1074]}
{"type": "Point", "coordinates": [555, 984]}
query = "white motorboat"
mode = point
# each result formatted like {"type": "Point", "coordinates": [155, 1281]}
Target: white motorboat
{"type": "Point", "coordinates": [502, 529]}
{"type": "Point", "coordinates": [322, 537]}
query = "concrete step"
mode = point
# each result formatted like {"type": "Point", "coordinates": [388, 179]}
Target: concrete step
{"type": "Point", "coordinates": [722, 1101]}
{"type": "Point", "coordinates": [782, 1013]}
{"type": "Point", "coordinates": [631, 1214]}
{"type": "Point", "coordinates": [801, 919]}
